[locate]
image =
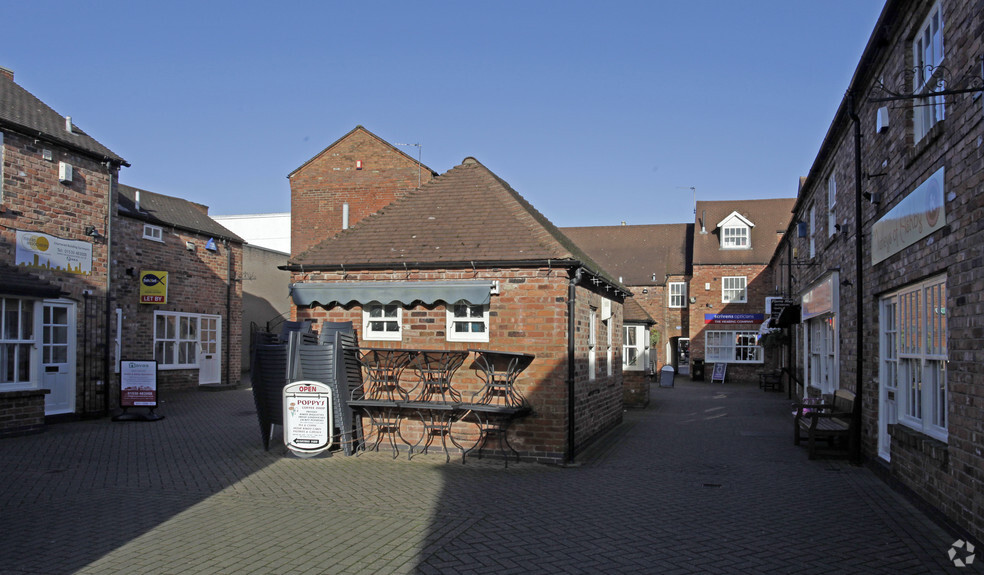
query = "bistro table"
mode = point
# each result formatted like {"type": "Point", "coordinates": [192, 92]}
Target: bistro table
{"type": "Point", "coordinates": [381, 394]}
{"type": "Point", "coordinates": [498, 402]}
{"type": "Point", "coordinates": [433, 398]}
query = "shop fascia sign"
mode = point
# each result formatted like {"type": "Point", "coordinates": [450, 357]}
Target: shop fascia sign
{"type": "Point", "coordinates": [915, 217]}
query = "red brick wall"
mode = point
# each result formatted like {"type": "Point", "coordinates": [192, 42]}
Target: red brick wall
{"type": "Point", "coordinates": [319, 189]}
{"type": "Point", "coordinates": [197, 283]}
{"type": "Point", "coordinates": [759, 286]}
{"type": "Point", "coordinates": [35, 200]}
{"type": "Point", "coordinates": [528, 315]}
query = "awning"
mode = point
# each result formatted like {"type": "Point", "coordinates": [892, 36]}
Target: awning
{"type": "Point", "coordinates": [16, 282]}
{"type": "Point", "coordinates": [790, 315]}
{"type": "Point", "coordinates": [427, 293]}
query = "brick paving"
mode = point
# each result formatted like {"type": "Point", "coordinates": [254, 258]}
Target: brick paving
{"type": "Point", "coordinates": [705, 480]}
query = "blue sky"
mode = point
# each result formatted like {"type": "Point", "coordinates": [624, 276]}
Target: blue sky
{"type": "Point", "coordinates": [596, 112]}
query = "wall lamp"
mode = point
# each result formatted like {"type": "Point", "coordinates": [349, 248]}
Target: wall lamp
{"type": "Point", "coordinates": [91, 231]}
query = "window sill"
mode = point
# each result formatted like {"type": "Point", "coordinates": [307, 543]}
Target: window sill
{"type": "Point", "coordinates": [904, 437]}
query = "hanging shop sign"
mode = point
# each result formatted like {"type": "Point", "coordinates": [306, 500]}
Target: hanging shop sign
{"type": "Point", "coordinates": [308, 418]}
{"type": "Point", "coordinates": [153, 287]}
{"type": "Point", "coordinates": [915, 217]}
{"type": "Point", "coordinates": [731, 318]}
{"type": "Point", "coordinates": [37, 250]}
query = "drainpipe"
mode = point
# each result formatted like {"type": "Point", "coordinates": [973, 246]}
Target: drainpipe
{"type": "Point", "coordinates": [228, 321]}
{"type": "Point", "coordinates": [856, 451]}
{"type": "Point", "coordinates": [571, 363]}
{"type": "Point", "coordinates": [108, 335]}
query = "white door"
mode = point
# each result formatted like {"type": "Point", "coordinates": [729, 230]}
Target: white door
{"type": "Point", "coordinates": [210, 350]}
{"type": "Point", "coordinates": [888, 376]}
{"type": "Point", "coordinates": [58, 357]}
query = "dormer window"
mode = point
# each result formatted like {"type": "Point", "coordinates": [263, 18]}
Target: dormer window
{"type": "Point", "coordinates": [735, 232]}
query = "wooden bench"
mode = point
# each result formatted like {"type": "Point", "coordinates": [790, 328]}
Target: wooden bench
{"type": "Point", "coordinates": [827, 421]}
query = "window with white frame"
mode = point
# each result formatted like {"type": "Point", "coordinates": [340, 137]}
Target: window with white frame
{"type": "Point", "coordinates": [678, 294]}
{"type": "Point", "coordinates": [920, 340]}
{"type": "Point", "coordinates": [176, 339]}
{"type": "Point", "coordinates": [634, 348]}
{"type": "Point", "coordinates": [831, 205]}
{"type": "Point", "coordinates": [734, 237]}
{"type": "Point", "coordinates": [733, 289]}
{"type": "Point", "coordinates": [467, 322]}
{"type": "Point", "coordinates": [813, 231]}
{"type": "Point", "coordinates": [155, 233]}
{"type": "Point", "coordinates": [927, 57]}
{"type": "Point", "coordinates": [726, 346]}
{"type": "Point", "coordinates": [382, 322]}
{"type": "Point", "coordinates": [17, 341]}
{"type": "Point", "coordinates": [592, 342]}
{"type": "Point", "coordinates": [609, 352]}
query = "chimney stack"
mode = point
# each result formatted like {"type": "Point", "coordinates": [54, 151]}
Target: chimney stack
{"type": "Point", "coordinates": [8, 73]}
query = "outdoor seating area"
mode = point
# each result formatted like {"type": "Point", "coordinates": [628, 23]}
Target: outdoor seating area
{"type": "Point", "coordinates": [407, 397]}
{"type": "Point", "coordinates": [829, 421]}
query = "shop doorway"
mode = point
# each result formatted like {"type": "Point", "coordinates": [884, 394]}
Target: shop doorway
{"type": "Point", "coordinates": [58, 356]}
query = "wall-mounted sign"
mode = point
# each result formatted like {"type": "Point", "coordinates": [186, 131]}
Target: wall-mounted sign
{"type": "Point", "coordinates": [153, 287]}
{"type": "Point", "coordinates": [915, 217]}
{"type": "Point", "coordinates": [727, 318]}
{"type": "Point", "coordinates": [821, 298]}
{"type": "Point", "coordinates": [308, 420]}
{"type": "Point", "coordinates": [37, 250]}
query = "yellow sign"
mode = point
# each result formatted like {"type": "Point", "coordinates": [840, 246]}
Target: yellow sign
{"type": "Point", "coordinates": [153, 287]}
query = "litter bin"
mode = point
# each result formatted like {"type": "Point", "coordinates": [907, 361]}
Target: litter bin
{"type": "Point", "coordinates": [666, 376]}
{"type": "Point", "coordinates": [697, 372]}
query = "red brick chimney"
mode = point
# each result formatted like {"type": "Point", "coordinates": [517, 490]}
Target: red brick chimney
{"type": "Point", "coordinates": [8, 73]}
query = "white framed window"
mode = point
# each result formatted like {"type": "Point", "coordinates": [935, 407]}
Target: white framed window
{"type": "Point", "coordinates": [813, 231]}
{"type": "Point", "coordinates": [726, 346]}
{"type": "Point", "coordinates": [734, 237]}
{"type": "Point", "coordinates": [921, 355]}
{"type": "Point", "coordinates": [155, 233]}
{"type": "Point", "coordinates": [733, 289]}
{"type": "Point", "coordinates": [17, 341]}
{"type": "Point", "coordinates": [634, 356]}
{"type": "Point", "coordinates": [176, 339]}
{"type": "Point", "coordinates": [592, 342]}
{"type": "Point", "coordinates": [927, 56]}
{"type": "Point", "coordinates": [609, 352]}
{"type": "Point", "coordinates": [831, 205]}
{"type": "Point", "coordinates": [678, 294]}
{"type": "Point", "coordinates": [382, 322]}
{"type": "Point", "coordinates": [467, 322]}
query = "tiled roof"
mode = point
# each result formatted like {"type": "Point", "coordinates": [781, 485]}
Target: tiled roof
{"type": "Point", "coordinates": [170, 211]}
{"type": "Point", "coordinates": [23, 112]}
{"type": "Point", "coordinates": [634, 312]}
{"type": "Point", "coordinates": [770, 219]}
{"type": "Point", "coordinates": [637, 254]}
{"type": "Point", "coordinates": [467, 214]}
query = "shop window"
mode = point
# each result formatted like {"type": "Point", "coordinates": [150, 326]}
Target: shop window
{"type": "Point", "coordinates": [468, 322]}
{"type": "Point", "coordinates": [917, 343]}
{"type": "Point", "coordinates": [634, 348]}
{"type": "Point", "coordinates": [16, 341]}
{"type": "Point", "coordinates": [176, 340]}
{"type": "Point", "coordinates": [382, 322]}
{"type": "Point", "coordinates": [725, 346]}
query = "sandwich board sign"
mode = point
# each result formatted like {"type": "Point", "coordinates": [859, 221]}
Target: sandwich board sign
{"type": "Point", "coordinates": [720, 369]}
{"type": "Point", "coordinates": [308, 420]}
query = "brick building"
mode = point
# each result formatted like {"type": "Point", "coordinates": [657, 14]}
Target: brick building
{"type": "Point", "coordinates": [195, 334]}
{"type": "Point", "coordinates": [734, 241]}
{"type": "Point", "coordinates": [465, 262]}
{"type": "Point", "coordinates": [71, 249]}
{"type": "Point", "coordinates": [652, 261]}
{"type": "Point", "coordinates": [891, 210]}
{"type": "Point", "coordinates": [56, 190]}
